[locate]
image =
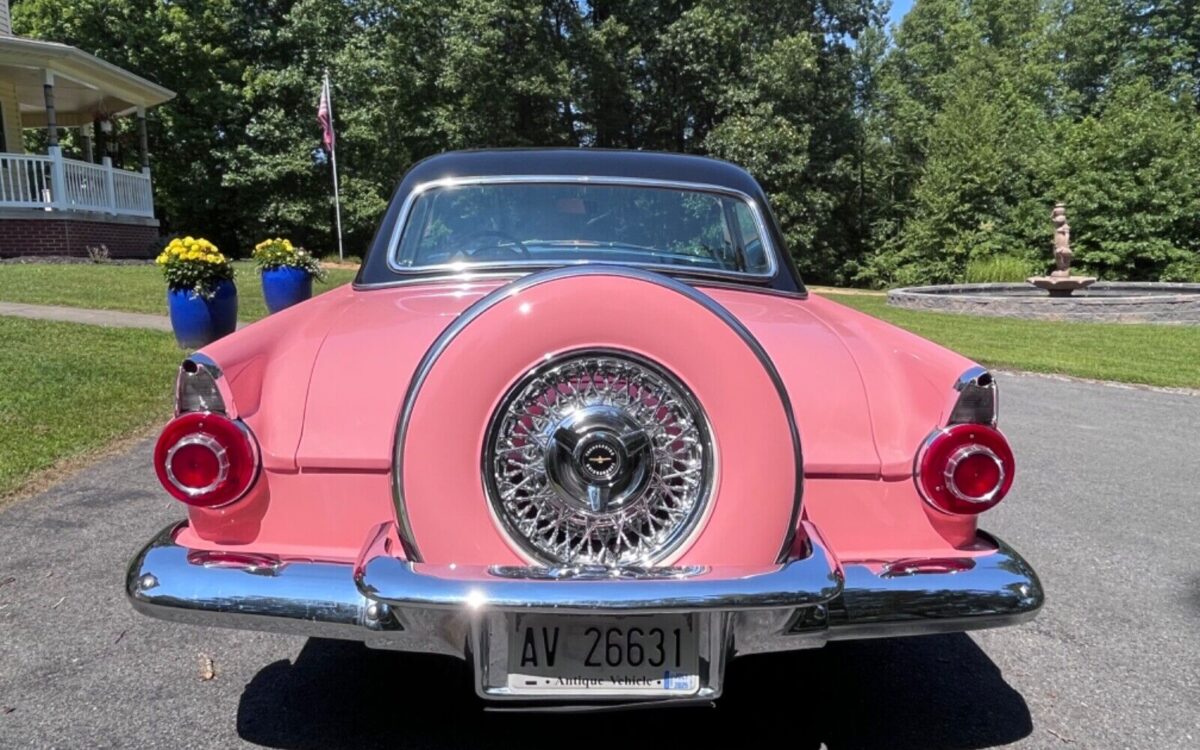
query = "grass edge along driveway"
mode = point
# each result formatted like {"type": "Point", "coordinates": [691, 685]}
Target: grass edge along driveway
{"type": "Point", "coordinates": [130, 288]}
{"type": "Point", "coordinates": [70, 390]}
{"type": "Point", "coordinates": [1157, 355]}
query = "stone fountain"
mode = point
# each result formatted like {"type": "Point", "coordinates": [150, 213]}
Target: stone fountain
{"type": "Point", "coordinates": [1069, 298]}
{"type": "Point", "coordinates": [1060, 282]}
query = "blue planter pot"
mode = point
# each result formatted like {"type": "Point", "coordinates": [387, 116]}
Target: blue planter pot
{"type": "Point", "coordinates": [285, 286]}
{"type": "Point", "coordinates": [198, 321]}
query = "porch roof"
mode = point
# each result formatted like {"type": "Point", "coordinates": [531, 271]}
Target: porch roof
{"type": "Point", "coordinates": [84, 85]}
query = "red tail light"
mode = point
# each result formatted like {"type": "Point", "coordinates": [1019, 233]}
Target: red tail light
{"type": "Point", "coordinates": [205, 459]}
{"type": "Point", "coordinates": [965, 468]}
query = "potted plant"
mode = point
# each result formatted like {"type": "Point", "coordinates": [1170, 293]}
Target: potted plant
{"type": "Point", "coordinates": [201, 295]}
{"type": "Point", "coordinates": [287, 272]}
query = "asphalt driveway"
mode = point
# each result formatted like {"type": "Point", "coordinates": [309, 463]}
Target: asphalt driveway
{"type": "Point", "coordinates": [1105, 508]}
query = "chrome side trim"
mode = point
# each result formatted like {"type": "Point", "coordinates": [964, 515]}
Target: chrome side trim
{"type": "Point", "coordinates": [393, 247]}
{"type": "Point", "coordinates": [527, 282]}
{"type": "Point", "coordinates": [978, 400]}
{"type": "Point", "coordinates": [696, 277]}
{"type": "Point", "coordinates": [202, 360]}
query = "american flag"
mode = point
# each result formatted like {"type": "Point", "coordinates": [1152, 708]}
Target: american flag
{"type": "Point", "coordinates": [325, 117]}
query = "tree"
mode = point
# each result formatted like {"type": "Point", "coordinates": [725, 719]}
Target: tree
{"type": "Point", "coordinates": [967, 94]}
{"type": "Point", "coordinates": [886, 160]}
{"type": "Point", "coordinates": [1130, 176]}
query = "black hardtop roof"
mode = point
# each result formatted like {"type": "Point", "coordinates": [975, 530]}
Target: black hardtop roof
{"type": "Point", "coordinates": [650, 165]}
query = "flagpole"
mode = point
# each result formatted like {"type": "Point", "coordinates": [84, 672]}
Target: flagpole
{"type": "Point", "coordinates": [337, 200]}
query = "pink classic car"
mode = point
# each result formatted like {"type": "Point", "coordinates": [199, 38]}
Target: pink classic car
{"type": "Point", "coordinates": [578, 422]}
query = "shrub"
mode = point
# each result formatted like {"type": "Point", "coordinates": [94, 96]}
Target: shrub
{"type": "Point", "coordinates": [1187, 271]}
{"type": "Point", "coordinates": [998, 269]}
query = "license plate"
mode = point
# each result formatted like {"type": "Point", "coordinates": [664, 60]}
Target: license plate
{"type": "Point", "coordinates": [655, 654]}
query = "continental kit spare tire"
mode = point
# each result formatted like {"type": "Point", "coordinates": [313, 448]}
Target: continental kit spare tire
{"type": "Point", "coordinates": [597, 415]}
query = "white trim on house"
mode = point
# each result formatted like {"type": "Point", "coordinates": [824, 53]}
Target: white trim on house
{"type": "Point", "coordinates": [55, 183]}
{"type": "Point", "coordinates": [120, 89]}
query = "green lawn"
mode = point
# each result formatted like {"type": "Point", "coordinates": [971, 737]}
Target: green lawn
{"type": "Point", "coordinates": [1150, 354]}
{"type": "Point", "coordinates": [70, 390]}
{"type": "Point", "coordinates": [130, 288]}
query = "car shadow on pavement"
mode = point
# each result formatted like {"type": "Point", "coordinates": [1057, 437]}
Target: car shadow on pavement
{"type": "Point", "coordinates": [929, 692]}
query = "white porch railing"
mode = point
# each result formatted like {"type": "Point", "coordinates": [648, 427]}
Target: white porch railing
{"type": "Point", "coordinates": [53, 183]}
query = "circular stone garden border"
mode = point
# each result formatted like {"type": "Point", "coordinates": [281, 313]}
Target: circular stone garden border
{"type": "Point", "coordinates": [1108, 302]}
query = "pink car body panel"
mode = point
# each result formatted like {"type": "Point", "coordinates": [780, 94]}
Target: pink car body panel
{"type": "Point", "coordinates": [321, 386]}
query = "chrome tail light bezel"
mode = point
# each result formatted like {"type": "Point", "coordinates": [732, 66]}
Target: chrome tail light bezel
{"type": "Point", "coordinates": [230, 440]}
{"type": "Point", "coordinates": [969, 430]}
{"type": "Point", "coordinates": [963, 453]}
{"type": "Point", "coordinates": [935, 462]}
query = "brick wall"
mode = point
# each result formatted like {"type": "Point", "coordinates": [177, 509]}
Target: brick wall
{"type": "Point", "coordinates": [74, 237]}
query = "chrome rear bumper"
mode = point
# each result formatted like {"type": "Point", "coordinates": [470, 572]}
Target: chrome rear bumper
{"type": "Point", "coordinates": [389, 603]}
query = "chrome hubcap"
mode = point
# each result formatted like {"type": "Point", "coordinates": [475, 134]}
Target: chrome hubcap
{"type": "Point", "coordinates": [598, 458]}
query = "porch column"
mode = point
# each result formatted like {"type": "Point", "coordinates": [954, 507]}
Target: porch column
{"type": "Point", "coordinates": [101, 137]}
{"type": "Point", "coordinates": [110, 186]}
{"type": "Point", "coordinates": [85, 138]}
{"type": "Point", "coordinates": [51, 121]}
{"type": "Point", "coordinates": [58, 175]}
{"type": "Point", "coordinates": [143, 142]}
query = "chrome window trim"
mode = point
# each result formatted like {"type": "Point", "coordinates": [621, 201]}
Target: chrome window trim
{"type": "Point", "coordinates": [434, 353]}
{"type": "Point", "coordinates": [746, 285]}
{"type": "Point", "coordinates": [393, 247]}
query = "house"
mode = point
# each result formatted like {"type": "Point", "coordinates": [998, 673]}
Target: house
{"type": "Point", "coordinates": [60, 203]}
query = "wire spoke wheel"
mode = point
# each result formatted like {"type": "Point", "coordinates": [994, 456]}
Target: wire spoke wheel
{"type": "Point", "coordinates": [599, 458]}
